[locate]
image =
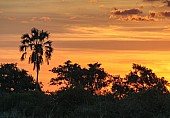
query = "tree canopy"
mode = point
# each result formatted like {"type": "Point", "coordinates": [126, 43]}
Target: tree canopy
{"type": "Point", "coordinates": [94, 78]}
{"type": "Point", "coordinates": [14, 79]}
{"type": "Point", "coordinates": [139, 79]}
{"type": "Point", "coordinates": [72, 75]}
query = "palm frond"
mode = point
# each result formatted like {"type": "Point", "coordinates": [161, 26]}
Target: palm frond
{"type": "Point", "coordinates": [47, 60]}
{"type": "Point", "coordinates": [48, 43]}
{"type": "Point", "coordinates": [23, 47]}
{"type": "Point", "coordinates": [31, 45]}
{"type": "Point", "coordinates": [43, 35]}
{"type": "Point", "coordinates": [34, 66]}
{"type": "Point", "coordinates": [49, 48]}
{"type": "Point", "coordinates": [35, 33]}
{"type": "Point", "coordinates": [40, 59]}
{"type": "Point", "coordinates": [23, 56]}
{"type": "Point", "coordinates": [25, 36]}
{"type": "Point", "coordinates": [47, 54]}
{"type": "Point", "coordinates": [25, 41]}
{"type": "Point", "coordinates": [29, 60]}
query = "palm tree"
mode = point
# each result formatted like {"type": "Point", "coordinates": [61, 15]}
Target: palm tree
{"type": "Point", "coordinates": [38, 44]}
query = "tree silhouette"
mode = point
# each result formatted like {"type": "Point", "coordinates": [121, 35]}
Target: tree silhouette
{"type": "Point", "coordinates": [95, 77]}
{"type": "Point", "coordinates": [138, 80]}
{"type": "Point", "coordinates": [142, 78]}
{"type": "Point", "coordinates": [120, 87]}
{"type": "Point", "coordinates": [68, 74]}
{"type": "Point", "coordinates": [14, 79]}
{"type": "Point", "coordinates": [37, 42]}
{"type": "Point", "coordinates": [72, 75]}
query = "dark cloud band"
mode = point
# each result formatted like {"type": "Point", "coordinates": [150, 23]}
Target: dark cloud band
{"type": "Point", "coordinates": [126, 11]}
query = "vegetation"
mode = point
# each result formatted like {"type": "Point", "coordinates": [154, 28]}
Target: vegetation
{"type": "Point", "coordinates": [72, 75]}
{"type": "Point", "coordinates": [14, 79]}
{"type": "Point", "coordinates": [96, 80]}
{"type": "Point", "coordinates": [140, 94]}
{"type": "Point", "coordinates": [79, 103]}
{"type": "Point", "coordinates": [39, 44]}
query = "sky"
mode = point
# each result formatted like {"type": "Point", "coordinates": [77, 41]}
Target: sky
{"type": "Point", "coordinates": [115, 33]}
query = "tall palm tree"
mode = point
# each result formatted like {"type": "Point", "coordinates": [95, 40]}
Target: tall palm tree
{"type": "Point", "coordinates": [38, 44]}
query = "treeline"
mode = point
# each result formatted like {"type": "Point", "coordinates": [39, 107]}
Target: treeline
{"type": "Point", "coordinates": [85, 93]}
{"type": "Point", "coordinates": [96, 80]}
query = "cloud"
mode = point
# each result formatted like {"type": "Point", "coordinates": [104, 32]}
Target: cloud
{"type": "Point", "coordinates": [45, 18]}
{"type": "Point", "coordinates": [34, 18]}
{"type": "Point", "coordinates": [159, 14]}
{"type": "Point", "coordinates": [130, 15]}
{"type": "Point", "coordinates": [12, 18]}
{"type": "Point", "coordinates": [126, 11]}
{"type": "Point", "coordinates": [138, 18]}
{"type": "Point", "coordinates": [165, 13]}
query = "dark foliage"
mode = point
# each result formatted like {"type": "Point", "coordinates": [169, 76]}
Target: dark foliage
{"type": "Point", "coordinates": [29, 104]}
{"type": "Point", "coordinates": [94, 78]}
{"type": "Point", "coordinates": [67, 100]}
{"type": "Point", "coordinates": [138, 80]}
{"type": "Point", "coordinates": [79, 103]}
{"type": "Point", "coordinates": [72, 75]}
{"type": "Point", "coordinates": [14, 79]}
{"type": "Point", "coordinates": [141, 94]}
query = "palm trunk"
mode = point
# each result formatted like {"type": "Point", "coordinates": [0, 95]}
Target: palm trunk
{"type": "Point", "coordinates": [37, 66]}
{"type": "Point", "coordinates": [37, 84]}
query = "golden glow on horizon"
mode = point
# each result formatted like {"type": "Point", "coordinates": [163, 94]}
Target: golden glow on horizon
{"type": "Point", "coordinates": [114, 62]}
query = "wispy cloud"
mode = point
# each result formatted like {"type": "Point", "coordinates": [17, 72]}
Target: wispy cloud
{"type": "Point", "coordinates": [45, 18]}
{"type": "Point", "coordinates": [34, 18]}
{"type": "Point", "coordinates": [138, 18]}
{"type": "Point", "coordinates": [126, 11]}
{"type": "Point", "coordinates": [133, 14]}
{"type": "Point", "coordinates": [12, 18]}
{"type": "Point", "coordinates": [160, 14]}
{"type": "Point", "coordinates": [165, 13]}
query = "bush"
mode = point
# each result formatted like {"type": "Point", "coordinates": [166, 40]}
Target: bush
{"type": "Point", "coordinates": [29, 104]}
{"type": "Point", "coordinates": [149, 104]}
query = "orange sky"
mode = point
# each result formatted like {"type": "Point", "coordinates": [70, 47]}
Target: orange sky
{"type": "Point", "coordinates": [114, 33]}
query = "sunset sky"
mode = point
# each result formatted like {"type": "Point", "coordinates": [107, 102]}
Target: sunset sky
{"type": "Point", "coordinates": [115, 33]}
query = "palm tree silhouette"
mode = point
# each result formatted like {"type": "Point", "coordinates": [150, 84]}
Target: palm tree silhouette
{"type": "Point", "coordinates": [38, 44]}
